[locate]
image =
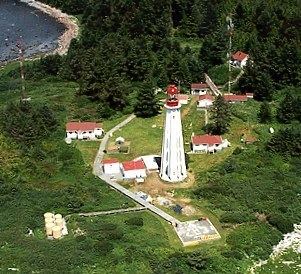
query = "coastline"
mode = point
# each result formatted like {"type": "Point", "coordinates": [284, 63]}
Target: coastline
{"type": "Point", "coordinates": [72, 28]}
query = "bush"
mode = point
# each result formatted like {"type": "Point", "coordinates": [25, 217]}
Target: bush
{"type": "Point", "coordinates": [135, 221]}
{"type": "Point", "coordinates": [237, 217]}
{"type": "Point", "coordinates": [282, 223]}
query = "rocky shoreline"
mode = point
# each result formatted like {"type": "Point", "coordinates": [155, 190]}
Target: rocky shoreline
{"type": "Point", "coordinates": [68, 21]}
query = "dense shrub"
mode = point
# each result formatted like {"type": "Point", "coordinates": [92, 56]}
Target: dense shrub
{"type": "Point", "coordinates": [134, 221]}
{"type": "Point", "coordinates": [287, 141]}
{"type": "Point", "coordinates": [237, 217]}
{"type": "Point", "coordinates": [282, 223]}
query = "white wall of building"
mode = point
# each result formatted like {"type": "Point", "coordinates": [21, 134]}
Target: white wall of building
{"type": "Point", "coordinates": [133, 174]}
{"type": "Point", "coordinates": [80, 135]}
{"type": "Point", "coordinates": [113, 168]}
{"type": "Point", "coordinates": [200, 91]}
{"type": "Point", "coordinates": [204, 103]}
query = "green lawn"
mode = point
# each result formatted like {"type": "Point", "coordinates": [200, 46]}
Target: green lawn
{"type": "Point", "coordinates": [88, 150]}
{"type": "Point", "coordinates": [144, 137]}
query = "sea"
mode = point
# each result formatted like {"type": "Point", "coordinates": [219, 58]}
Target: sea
{"type": "Point", "coordinates": [25, 26]}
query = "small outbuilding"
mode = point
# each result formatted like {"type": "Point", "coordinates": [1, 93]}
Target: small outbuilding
{"type": "Point", "coordinates": [111, 166]}
{"type": "Point", "coordinates": [239, 59]}
{"type": "Point", "coordinates": [83, 130]}
{"type": "Point", "coordinates": [208, 143]}
{"type": "Point", "coordinates": [199, 88]}
{"type": "Point", "coordinates": [133, 169]}
{"type": "Point", "coordinates": [183, 98]}
{"type": "Point", "coordinates": [205, 101]}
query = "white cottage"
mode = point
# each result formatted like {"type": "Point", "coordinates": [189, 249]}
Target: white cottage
{"type": "Point", "coordinates": [199, 88]}
{"type": "Point", "coordinates": [208, 143]}
{"type": "Point", "coordinates": [83, 130]}
{"type": "Point", "coordinates": [133, 169]}
{"type": "Point", "coordinates": [111, 166]}
{"type": "Point", "coordinates": [205, 101]}
{"type": "Point", "coordinates": [239, 59]}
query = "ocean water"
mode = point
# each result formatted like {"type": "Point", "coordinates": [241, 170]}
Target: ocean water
{"type": "Point", "coordinates": [21, 24]}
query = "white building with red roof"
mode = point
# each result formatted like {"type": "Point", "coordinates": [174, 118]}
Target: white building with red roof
{"type": "Point", "coordinates": [133, 169]}
{"type": "Point", "coordinates": [205, 101]}
{"type": "Point", "coordinates": [234, 98]}
{"type": "Point", "coordinates": [208, 143]}
{"type": "Point", "coordinates": [199, 88]}
{"type": "Point", "coordinates": [83, 130]}
{"type": "Point", "coordinates": [239, 59]}
{"type": "Point", "coordinates": [111, 166]}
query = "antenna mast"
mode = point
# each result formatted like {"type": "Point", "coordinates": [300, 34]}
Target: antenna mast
{"type": "Point", "coordinates": [230, 27]}
{"type": "Point", "coordinates": [21, 51]}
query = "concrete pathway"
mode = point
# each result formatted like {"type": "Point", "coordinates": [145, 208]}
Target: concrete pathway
{"type": "Point", "coordinates": [212, 86]}
{"type": "Point", "coordinates": [109, 212]}
{"type": "Point", "coordinates": [96, 166]}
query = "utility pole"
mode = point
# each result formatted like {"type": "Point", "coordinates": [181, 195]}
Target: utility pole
{"type": "Point", "coordinates": [230, 27]}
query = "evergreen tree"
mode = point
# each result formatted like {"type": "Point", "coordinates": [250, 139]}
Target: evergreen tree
{"type": "Point", "coordinates": [147, 105]}
{"type": "Point", "coordinates": [221, 116]}
{"type": "Point", "coordinates": [265, 113]}
{"type": "Point", "coordinates": [289, 109]}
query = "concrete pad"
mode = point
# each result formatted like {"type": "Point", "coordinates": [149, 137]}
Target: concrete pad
{"type": "Point", "coordinates": [194, 232]}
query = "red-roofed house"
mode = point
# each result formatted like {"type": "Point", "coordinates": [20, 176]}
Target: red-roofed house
{"type": "Point", "coordinates": [133, 169]}
{"type": "Point", "coordinates": [183, 98]}
{"type": "Point", "coordinates": [234, 98]}
{"type": "Point", "coordinates": [111, 166]}
{"type": "Point", "coordinates": [199, 88]}
{"type": "Point", "coordinates": [83, 130]}
{"type": "Point", "coordinates": [208, 143]}
{"type": "Point", "coordinates": [239, 59]}
{"type": "Point", "coordinates": [205, 101]}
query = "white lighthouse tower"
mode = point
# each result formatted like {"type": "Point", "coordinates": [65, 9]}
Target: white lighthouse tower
{"type": "Point", "coordinates": [173, 167]}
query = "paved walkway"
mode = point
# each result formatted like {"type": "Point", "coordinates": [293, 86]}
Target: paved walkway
{"type": "Point", "coordinates": [212, 86]}
{"type": "Point", "coordinates": [109, 212]}
{"type": "Point", "coordinates": [97, 167]}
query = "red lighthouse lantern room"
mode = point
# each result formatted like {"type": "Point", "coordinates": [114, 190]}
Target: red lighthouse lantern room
{"type": "Point", "coordinates": [172, 92]}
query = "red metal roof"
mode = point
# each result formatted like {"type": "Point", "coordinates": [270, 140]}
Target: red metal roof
{"type": "Point", "coordinates": [239, 56]}
{"type": "Point", "coordinates": [172, 90]}
{"type": "Point", "coordinates": [182, 96]}
{"type": "Point", "coordinates": [109, 161]}
{"type": "Point", "coordinates": [199, 85]}
{"type": "Point", "coordinates": [205, 96]}
{"type": "Point", "coordinates": [82, 126]}
{"type": "Point", "coordinates": [206, 139]}
{"type": "Point", "coordinates": [133, 165]}
{"type": "Point", "coordinates": [235, 98]}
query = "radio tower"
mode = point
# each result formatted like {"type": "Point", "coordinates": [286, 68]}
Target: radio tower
{"type": "Point", "coordinates": [173, 166]}
{"type": "Point", "coordinates": [230, 27]}
{"type": "Point", "coordinates": [21, 51]}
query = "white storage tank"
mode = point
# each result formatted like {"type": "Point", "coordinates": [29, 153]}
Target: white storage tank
{"type": "Point", "coordinates": [58, 216]}
{"type": "Point", "coordinates": [49, 220]}
{"type": "Point", "coordinates": [49, 227]}
{"type": "Point", "coordinates": [48, 215]}
{"type": "Point", "coordinates": [56, 232]}
{"type": "Point", "coordinates": [59, 222]}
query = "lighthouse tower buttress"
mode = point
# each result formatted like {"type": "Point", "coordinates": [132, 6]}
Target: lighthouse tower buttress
{"type": "Point", "coordinates": [173, 166]}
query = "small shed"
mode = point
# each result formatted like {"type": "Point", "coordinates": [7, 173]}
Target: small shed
{"type": "Point", "coordinates": [199, 88]}
{"type": "Point", "coordinates": [205, 101]}
{"type": "Point", "coordinates": [111, 166]}
{"type": "Point", "coordinates": [133, 169]}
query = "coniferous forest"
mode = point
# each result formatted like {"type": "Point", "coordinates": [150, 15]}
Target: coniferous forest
{"type": "Point", "coordinates": [126, 50]}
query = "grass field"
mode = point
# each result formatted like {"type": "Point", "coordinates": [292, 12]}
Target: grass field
{"type": "Point", "coordinates": [88, 150]}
